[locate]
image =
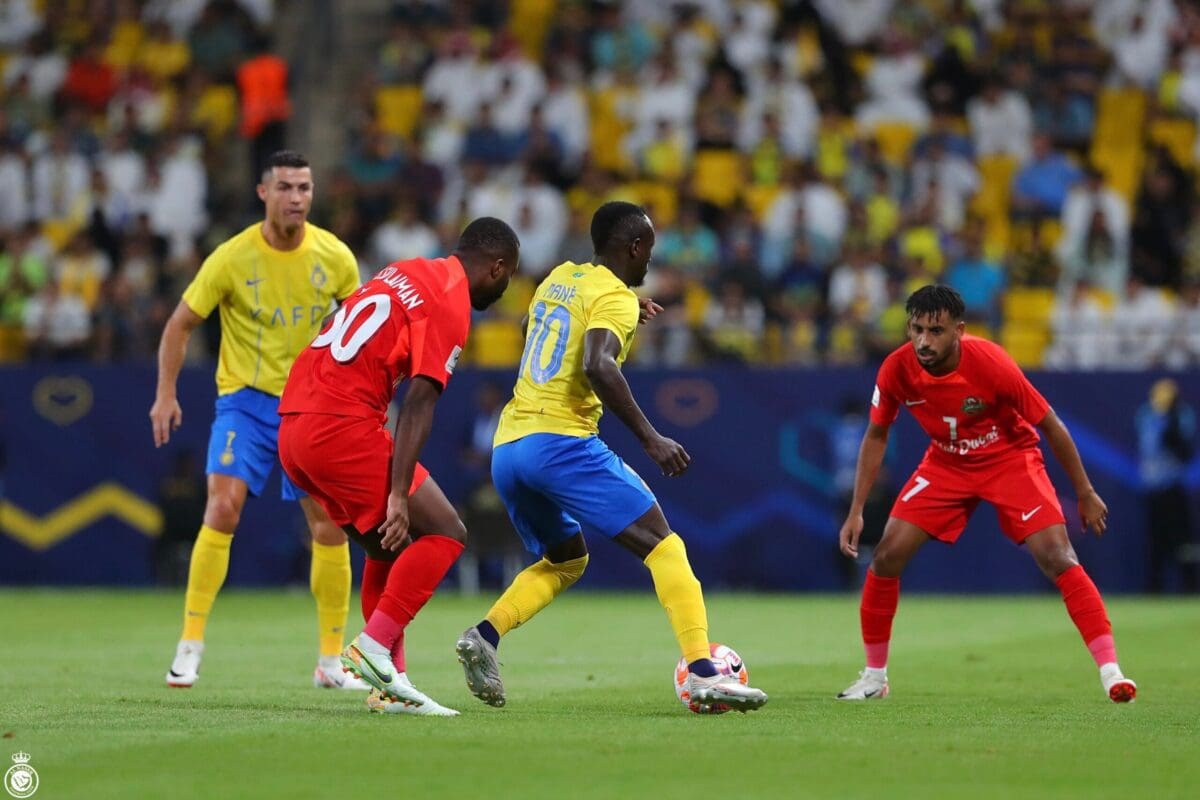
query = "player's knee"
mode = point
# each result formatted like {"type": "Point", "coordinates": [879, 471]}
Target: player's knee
{"type": "Point", "coordinates": [1057, 562]}
{"type": "Point", "coordinates": [885, 563]}
{"type": "Point", "coordinates": [222, 512]}
{"type": "Point", "coordinates": [456, 530]}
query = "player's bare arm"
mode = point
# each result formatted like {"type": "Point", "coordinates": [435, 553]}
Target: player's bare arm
{"type": "Point", "coordinates": [1092, 510]}
{"type": "Point", "coordinates": [647, 310]}
{"type": "Point", "coordinates": [870, 458]}
{"type": "Point", "coordinates": [600, 350]}
{"type": "Point", "coordinates": [165, 414]}
{"type": "Point", "coordinates": [412, 429]}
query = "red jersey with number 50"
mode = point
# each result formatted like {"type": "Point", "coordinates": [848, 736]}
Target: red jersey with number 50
{"type": "Point", "coordinates": [410, 319]}
{"type": "Point", "coordinates": [982, 411]}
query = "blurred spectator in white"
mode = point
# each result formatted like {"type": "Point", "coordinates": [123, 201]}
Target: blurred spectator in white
{"type": "Point", "coordinates": [663, 94]}
{"type": "Point", "coordinates": [125, 172]}
{"type": "Point", "coordinates": [177, 211]}
{"type": "Point", "coordinates": [512, 85]}
{"type": "Point", "coordinates": [403, 235]}
{"type": "Point", "coordinates": [734, 323]}
{"type": "Point", "coordinates": [953, 178]}
{"type": "Point", "coordinates": [1141, 51]}
{"type": "Point", "coordinates": [747, 38]}
{"type": "Point", "coordinates": [1085, 200]}
{"type": "Point", "coordinates": [1183, 352]}
{"type": "Point", "coordinates": [979, 279]}
{"type": "Point", "coordinates": [60, 178]}
{"type": "Point", "coordinates": [805, 206]}
{"type": "Point", "coordinates": [464, 187]}
{"type": "Point", "coordinates": [565, 110]}
{"type": "Point", "coordinates": [19, 19]}
{"type": "Point", "coordinates": [1099, 259]}
{"type": "Point", "coordinates": [858, 286]}
{"type": "Point", "coordinates": [181, 15]}
{"type": "Point", "coordinates": [539, 244]}
{"type": "Point", "coordinates": [545, 202]}
{"type": "Point", "coordinates": [1142, 324]}
{"type": "Point", "coordinates": [1001, 121]}
{"type": "Point", "coordinates": [454, 78]}
{"type": "Point", "coordinates": [58, 326]}
{"type": "Point", "coordinates": [45, 66]}
{"type": "Point", "coordinates": [140, 104]}
{"type": "Point", "coordinates": [14, 186]}
{"type": "Point", "coordinates": [789, 101]}
{"type": "Point", "coordinates": [856, 21]}
{"type": "Point", "coordinates": [1040, 187]}
{"type": "Point", "coordinates": [893, 84]}
{"type": "Point", "coordinates": [1082, 332]}
{"type": "Point", "coordinates": [692, 37]}
{"type": "Point", "coordinates": [440, 137]}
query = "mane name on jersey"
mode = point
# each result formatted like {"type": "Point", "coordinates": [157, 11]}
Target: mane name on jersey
{"type": "Point", "coordinates": [405, 291]}
{"type": "Point", "coordinates": [559, 292]}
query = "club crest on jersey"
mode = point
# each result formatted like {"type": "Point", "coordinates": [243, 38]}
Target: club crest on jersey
{"type": "Point", "coordinates": [973, 405]}
{"type": "Point", "coordinates": [318, 277]}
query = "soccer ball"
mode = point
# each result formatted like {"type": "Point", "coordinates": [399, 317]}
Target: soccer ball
{"type": "Point", "coordinates": [727, 662]}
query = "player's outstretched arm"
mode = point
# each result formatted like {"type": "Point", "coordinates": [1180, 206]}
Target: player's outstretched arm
{"type": "Point", "coordinates": [600, 350]}
{"type": "Point", "coordinates": [870, 458]}
{"type": "Point", "coordinates": [165, 414]}
{"type": "Point", "coordinates": [1092, 510]}
{"type": "Point", "coordinates": [412, 429]}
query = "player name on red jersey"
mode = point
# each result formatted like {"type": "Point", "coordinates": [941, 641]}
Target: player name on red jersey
{"type": "Point", "coordinates": [404, 289]}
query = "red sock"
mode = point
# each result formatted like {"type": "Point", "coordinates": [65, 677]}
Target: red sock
{"type": "Point", "coordinates": [411, 582]}
{"type": "Point", "coordinates": [1087, 612]}
{"type": "Point", "coordinates": [374, 579]}
{"type": "Point", "coordinates": [879, 600]}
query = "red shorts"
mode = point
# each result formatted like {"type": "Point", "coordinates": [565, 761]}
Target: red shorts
{"type": "Point", "coordinates": [939, 498]}
{"type": "Point", "coordinates": [344, 463]}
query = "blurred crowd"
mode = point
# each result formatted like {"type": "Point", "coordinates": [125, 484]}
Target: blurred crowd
{"type": "Point", "coordinates": [807, 165]}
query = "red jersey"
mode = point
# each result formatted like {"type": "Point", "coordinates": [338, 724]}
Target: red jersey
{"type": "Point", "coordinates": [982, 411]}
{"type": "Point", "coordinates": [410, 319]}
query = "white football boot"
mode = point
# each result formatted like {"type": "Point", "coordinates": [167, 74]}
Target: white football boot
{"type": "Point", "coordinates": [329, 675]}
{"type": "Point", "coordinates": [377, 703]}
{"type": "Point", "coordinates": [724, 690]}
{"type": "Point", "coordinates": [370, 661]}
{"type": "Point", "coordinates": [185, 669]}
{"type": "Point", "coordinates": [872, 684]}
{"type": "Point", "coordinates": [1118, 688]}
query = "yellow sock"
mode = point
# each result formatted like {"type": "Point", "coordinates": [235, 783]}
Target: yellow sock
{"type": "Point", "coordinates": [206, 574]}
{"type": "Point", "coordinates": [679, 592]}
{"type": "Point", "coordinates": [532, 590]}
{"type": "Point", "coordinates": [330, 581]}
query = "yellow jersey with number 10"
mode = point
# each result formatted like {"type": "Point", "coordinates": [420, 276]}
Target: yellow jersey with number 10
{"type": "Point", "coordinates": [552, 395]}
{"type": "Point", "coordinates": [272, 302]}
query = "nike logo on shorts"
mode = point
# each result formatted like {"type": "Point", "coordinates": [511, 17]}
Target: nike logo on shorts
{"type": "Point", "coordinates": [913, 402]}
{"type": "Point", "coordinates": [1025, 517]}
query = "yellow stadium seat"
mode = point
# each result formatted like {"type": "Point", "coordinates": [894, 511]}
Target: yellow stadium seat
{"type": "Point", "coordinates": [659, 198]}
{"type": "Point", "coordinates": [1025, 345]}
{"type": "Point", "coordinates": [695, 303]}
{"type": "Point", "coordinates": [995, 185]}
{"type": "Point", "coordinates": [1178, 135]}
{"type": "Point", "coordinates": [895, 140]}
{"type": "Point", "coordinates": [1050, 230]}
{"type": "Point", "coordinates": [398, 108]}
{"type": "Point", "coordinates": [608, 130]}
{"type": "Point", "coordinates": [529, 20]}
{"type": "Point", "coordinates": [718, 176]}
{"type": "Point", "coordinates": [759, 198]}
{"type": "Point", "coordinates": [1122, 168]}
{"type": "Point", "coordinates": [216, 111]}
{"type": "Point", "coordinates": [1119, 117]}
{"type": "Point", "coordinates": [495, 343]}
{"type": "Point", "coordinates": [1028, 305]}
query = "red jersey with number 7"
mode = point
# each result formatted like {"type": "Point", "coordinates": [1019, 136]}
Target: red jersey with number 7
{"type": "Point", "coordinates": [981, 412]}
{"type": "Point", "coordinates": [410, 319]}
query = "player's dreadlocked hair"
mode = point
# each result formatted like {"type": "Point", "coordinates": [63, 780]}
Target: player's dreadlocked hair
{"type": "Point", "coordinates": [616, 221]}
{"type": "Point", "coordinates": [489, 236]}
{"type": "Point", "coordinates": [283, 158]}
{"type": "Point", "coordinates": [933, 299]}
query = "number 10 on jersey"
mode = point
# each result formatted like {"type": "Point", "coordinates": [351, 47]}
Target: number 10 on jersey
{"type": "Point", "coordinates": [533, 359]}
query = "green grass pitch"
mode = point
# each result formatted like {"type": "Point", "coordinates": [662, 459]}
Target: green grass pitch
{"type": "Point", "coordinates": [991, 698]}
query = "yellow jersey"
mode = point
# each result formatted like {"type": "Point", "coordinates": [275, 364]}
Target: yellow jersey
{"type": "Point", "coordinates": [552, 395]}
{"type": "Point", "coordinates": [272, 302]}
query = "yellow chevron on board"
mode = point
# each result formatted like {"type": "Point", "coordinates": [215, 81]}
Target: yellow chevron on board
{"type": "Point", "coordinates": [103, 499]}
